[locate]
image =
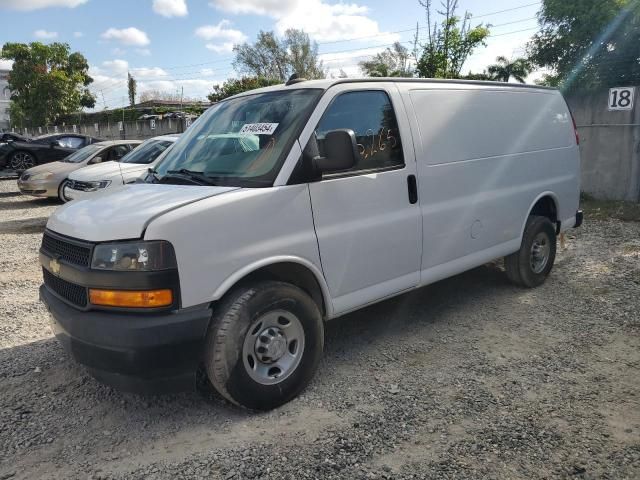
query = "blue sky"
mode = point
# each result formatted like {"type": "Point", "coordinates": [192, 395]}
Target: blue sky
{"type": "Point", "coordinates": [172, 44]}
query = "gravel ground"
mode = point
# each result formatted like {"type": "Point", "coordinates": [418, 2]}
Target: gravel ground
{"type": "Point", "coordinates": [468, 378]}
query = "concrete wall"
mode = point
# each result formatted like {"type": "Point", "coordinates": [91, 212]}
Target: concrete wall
{"type": "Point", "coordinates": [609, 145]}
{"type": "Point", "coordinates": [135, 130]}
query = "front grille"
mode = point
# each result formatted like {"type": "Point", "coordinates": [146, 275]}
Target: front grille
{"type": "Point", "coordinates": [82, 186]}
{"type": "Point", "coordinates": [71, 292]}
{"type": "Point", "coordinates": [67, 251]}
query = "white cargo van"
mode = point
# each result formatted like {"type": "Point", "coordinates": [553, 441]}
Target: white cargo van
{"type": "Point", "coordinates": [286, 206]}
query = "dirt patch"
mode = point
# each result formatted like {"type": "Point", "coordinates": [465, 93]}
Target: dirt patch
{"type": "Point", "coordinates": [467, 378]}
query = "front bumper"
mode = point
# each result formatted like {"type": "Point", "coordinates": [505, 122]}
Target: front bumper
{"type": "Point", "coordinates": [142, 353]}
{"type": "Point", "coordinates": [38, 188]}
{"type": "Point", "coordinates": [73, 194]}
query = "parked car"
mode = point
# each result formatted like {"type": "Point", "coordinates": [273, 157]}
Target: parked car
{"type": "Point", "coordinates": [359, 190]}
{"type": "Point", "coordinates": [48, 180]}
{"type": "Point", "coordinates": [97, 178]}
{"type": "Point", "coordinates": [21, 155]}
{"type": "Point", "coordinates": [12, 137]}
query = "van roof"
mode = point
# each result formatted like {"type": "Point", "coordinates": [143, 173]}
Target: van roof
{"type": "Point", "coordinates": [327, 83]}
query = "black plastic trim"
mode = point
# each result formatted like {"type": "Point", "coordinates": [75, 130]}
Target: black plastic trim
{"type": "Point", "coordinates": [333, 176]}
{"type": "Point", "coordinates": [131, 351]}
{"type": "Point", "coordinates": [108, 279]}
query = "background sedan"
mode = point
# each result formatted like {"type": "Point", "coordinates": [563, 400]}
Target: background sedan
{"type": "Point", "coordinates": [48, 180]}
{"type": "Point", "coordinates": [21, 155]}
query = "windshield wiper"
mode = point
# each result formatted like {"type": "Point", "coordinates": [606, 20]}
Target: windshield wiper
{"type": "Point", "coordinates": [198, 178]}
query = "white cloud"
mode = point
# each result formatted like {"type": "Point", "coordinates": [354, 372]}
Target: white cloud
{"type": "Point", "coordinates": [170, 8]}
{"type": "Point", "coordinates": [227, 37]}
{"type": "Point", "coordinates": [28, 5]}
{"type": "Point", "coordinates": [322, 21]}
{"type": "Point", "coordinates": [78, 34]}
{"type": "Point", "coordinates": [118, 51]}
{"type": "Point", "coordinates": [325, 22]}
{"type": "Point", "coordinates": [116, 67]}
{"type": "Point", "coordinates": [6, 64]}
{"type": "Point", "coordinates": [45, 35]}
{"type": "Point", "coordinates": [127, 36]}
{"type": "Point", "coordinates": [225, 47]}
{"type": "Point", "coordinates": [272, 8]}
{"type": "Point", "coordinates": [143, 51]}
{"type": "Point", "coordinates": [148, 72]}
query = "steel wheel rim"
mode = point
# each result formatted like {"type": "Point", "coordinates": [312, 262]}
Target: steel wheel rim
{"type": "Point", "coordinates": [21, 161]}
{"type": "Point", "coordinates": [540, 252]}
{"type": "Point", "coordinates": [273, 347]}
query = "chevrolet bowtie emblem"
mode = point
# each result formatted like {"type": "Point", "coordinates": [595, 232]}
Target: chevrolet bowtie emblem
{"type": "Point", "coordinates": [54, 266]}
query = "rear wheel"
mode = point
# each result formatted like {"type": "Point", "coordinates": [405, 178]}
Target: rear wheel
{"type": "Point", "coordinates": [21, 161]}
{"type": "Point", "coordinates": [264, 345]}
{"type": "Point", "coordinates": [531, 265]}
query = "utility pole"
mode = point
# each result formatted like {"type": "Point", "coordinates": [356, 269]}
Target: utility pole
{"type": "Point", "coordinates": [123, 105]}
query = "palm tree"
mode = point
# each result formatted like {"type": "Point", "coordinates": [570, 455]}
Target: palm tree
{"type": "Point", "coordinates": [505, 69]}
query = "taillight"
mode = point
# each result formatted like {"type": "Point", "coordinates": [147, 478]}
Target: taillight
{"type": "Point", "coordinates": [575, 129]}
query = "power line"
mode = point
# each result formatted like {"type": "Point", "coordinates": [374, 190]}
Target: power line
{"type": "Point", "coordinates": [226, 59]}
{"type": "Point", "coordinates": [506, 10]}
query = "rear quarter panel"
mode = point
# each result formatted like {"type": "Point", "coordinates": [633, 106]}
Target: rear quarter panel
{"type": "Point", "coordinates": [485, 155]}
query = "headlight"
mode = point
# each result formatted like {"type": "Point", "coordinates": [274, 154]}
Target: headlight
{"type": "Point", "coordinates": [93, 186]}
{"type": "Point", "coordinates": [134, 256]}
{"type": "Point", "coordinates": [41, 176]}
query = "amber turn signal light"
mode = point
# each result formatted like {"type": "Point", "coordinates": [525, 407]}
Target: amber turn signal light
{"type": "Point", "coordinates": [131, 298]}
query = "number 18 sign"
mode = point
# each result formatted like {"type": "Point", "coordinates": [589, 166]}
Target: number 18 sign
{"type": "Point", "coordinates": [621, 98]}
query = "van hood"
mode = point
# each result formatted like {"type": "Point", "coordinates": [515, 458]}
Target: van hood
{"type": "Point", "coordinates": [109, 171]}
{"type": "Point", "coordinates": [124, 212]}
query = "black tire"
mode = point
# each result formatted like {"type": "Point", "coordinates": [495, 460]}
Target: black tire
{"type": "Point", "coordinates": [21, 161]}
{"type": "Point", "coordinates": [519, 265]}
{"type": "Point", "coordinates": [61, 196]}
{"type": "Point", "coordinates": [227, 369]}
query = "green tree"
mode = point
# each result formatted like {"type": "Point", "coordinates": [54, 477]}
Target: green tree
{"type": "Point", "coordinates": [392, 62]}
{"type": "Point", "coordinates": [449, 44]}
{"type": "Point", "coordinates": [274, 58]}
{"type": "Point", "coordinates": [484, 76]}
{"type": "Point", "coordinates": [234, 86]}
{"type": "Point", "coordinates": [46, 81]}
{"type": "Point", "coordinates": [504, 69]}
{"type": "Point", "coordinates": [588, 44]}
{"type": "Point", "coordinates": [132, 86]}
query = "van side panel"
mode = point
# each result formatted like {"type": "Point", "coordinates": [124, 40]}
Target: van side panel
{"type": "Point", "coordinates": [218, 238]}
{"type": "Point", "coordinates": [484, 155]}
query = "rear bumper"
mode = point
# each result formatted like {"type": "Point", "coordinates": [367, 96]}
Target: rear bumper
{"type": "Point", "coordinates": [142, 353]}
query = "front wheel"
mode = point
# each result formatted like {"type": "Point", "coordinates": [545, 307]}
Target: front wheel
{"type": "Point", "coordinates": [264, 345]}
{"type": "Point", "coordinates": [531, 265]}
{"type": "Point", "coordinates": [61, 188]}
{"type": "Point", "coordinates": [21, 161]}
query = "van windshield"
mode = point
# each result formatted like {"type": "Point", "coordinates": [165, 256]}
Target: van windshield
{"type": "Point", "coordinates": [241, 141]}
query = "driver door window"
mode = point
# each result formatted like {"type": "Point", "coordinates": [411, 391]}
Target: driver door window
{"type": "Point", "coordinates": [370, 115]}
{"type": "Point", "coordinates": [117, 152]}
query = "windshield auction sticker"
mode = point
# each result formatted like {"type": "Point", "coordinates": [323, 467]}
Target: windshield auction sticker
{"type": "Point", "coordinates": [259, 128]}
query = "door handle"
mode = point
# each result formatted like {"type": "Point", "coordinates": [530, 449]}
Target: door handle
{"type": "Point", "coordinates": [412, 186]}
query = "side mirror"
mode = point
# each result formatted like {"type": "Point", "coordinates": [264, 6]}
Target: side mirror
{"type": "Point", "coordinates": [97, 159]}
{"type": "Point", "coordinates": [341, 151]}
{"type": "Point", "coordinates": [54, 143]}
